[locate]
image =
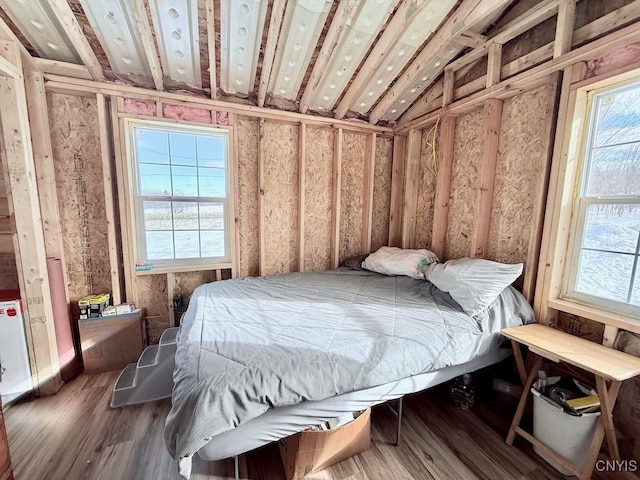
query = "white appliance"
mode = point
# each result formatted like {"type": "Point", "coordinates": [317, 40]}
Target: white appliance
{"type": "Point", "coordinates": [15, 372]}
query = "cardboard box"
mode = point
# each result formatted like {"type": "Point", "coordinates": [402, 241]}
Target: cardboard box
{"type": "Point", "coordinates": [309, 452]}
{"type": "Point", "coordinates": [111, 343]}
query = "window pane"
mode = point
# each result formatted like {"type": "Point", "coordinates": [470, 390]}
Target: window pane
{"type": "Point", "coordinates": [157, 215]}
{"type": "Point", "coordinates": [605, 275]}
{"type": "Point", "coordinates": [211, 216]}
{"type": "Point", "coordinates": [152, 146]}
{"type": "Point", "coordinates": [615, 170]}
{"type": "Point", "coordinates": [185, 216]}
{"type": "Point", "coordinates": [618, 117]}
{"type": "Point", "coordinates": [212, 182]}
{"type": "Point", "coordinates": [183, 148]}
{"type": "Point", "coordinates": [612, 227]}
{"type": "Point", "coordinates": [211, 151]}
{"type": "Point", "coordinates": [155, 180]}
{"type": "Point", "coordinates": [187, 244]}
{"type": "Point", "coordinates": [212, 243]}
{"type": "Point", "coordinates": [185, 181]}
{"type": "Point", "coordinates": [159, 245]}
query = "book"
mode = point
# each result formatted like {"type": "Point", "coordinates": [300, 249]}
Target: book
{"type": "Point", "coordinates": [583, 402]}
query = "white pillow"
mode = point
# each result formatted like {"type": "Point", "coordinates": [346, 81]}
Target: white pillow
{"type": "Point", "coordinates": [398, 261]}
{"type": "Point", "coordinates": [474, 283]}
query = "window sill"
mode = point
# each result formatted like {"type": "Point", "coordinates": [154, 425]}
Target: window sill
{"type": "Point", "coordinates": [625, 322]}
{"type": "Point", "coordinates": [196, 267]}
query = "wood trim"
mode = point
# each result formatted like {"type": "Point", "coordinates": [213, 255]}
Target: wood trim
{"type": "Point", "coordinates": [148, 45]}
{"type": "Point", "coordinates": [606, 317]}
{"type": "Point", "coordinates": [71, 85]}
{"type": "Point", "coordinates": [411, 188]}
{"type": "Point", "coordinates": [302, 153]}
{"type": "Point", "coordinates": [211, 38]}
{"type": "Point", "coordinates": [367, 206]}
{"type": "Point", "coordinates": [261, 209]}
{"type": "Point", "coordinates": [275, 23]}
{"type": "Point", "coordinates": [486, 177]}
{"type": "Point", "coordinates": [336, 206]}
{"type": "Point", "coordinates": [443, 187]}
{"type": "Point", "coordinates": [73, 30]}
{"type": "Point", "coordinates": [105, 150]}
{"type": "Point", "coordinates": [397, 190]}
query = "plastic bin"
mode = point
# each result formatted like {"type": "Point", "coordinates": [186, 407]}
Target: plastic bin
{"type": "Point", "coordinates": [568, 435]}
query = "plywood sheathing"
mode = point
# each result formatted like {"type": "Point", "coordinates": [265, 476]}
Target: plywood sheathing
{"type": "Point", "coordinates": [280, 184]}
{"type": "Point", "coordinates": [187, 282]}
{"type": "Point", "coordinates": [152, 298]}
{"type": "Point", "coordinates": [318, 182]}
{"type": "Point", "coordinates": [464, 179]}
{"type": "Point", "coordinates": [78, 169]}
{"type": "Point", "coordinates": [352, 193]}
{"type": "Point", "coordinates": [426, 187]}
{"type": "Point", "coordinates": [248, 197]}
{"type": "Point", "coordinates": [521, 157]}
{"type": "Point", "coordinates": [8, 272]}
{"type": "Point", "coordinates": [381, 193]}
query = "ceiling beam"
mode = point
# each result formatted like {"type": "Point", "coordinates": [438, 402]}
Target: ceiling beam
{"type": "Point", "coordinates": [73, 30]}
{"type": "Point", "coordinates": [140, 14]}
{"type": "Point", "coordinates": [211, 38]}
{"type": "Point", "coordinates": [403, 17]}
{"type": "Point", "coordinates": [277, 15]}
{"type": "Point", "coordinates": [468, 15]}
{"type": "Point", "coordinates": [341, 20]}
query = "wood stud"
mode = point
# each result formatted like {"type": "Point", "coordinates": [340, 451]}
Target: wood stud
{"type": "Point", "coordinates": [302, 153]}
{"type": "Point", "coordinates": [443, 188]}
{"type": "Point", "coordinates": [369, 180]}
{"type": "Point", "coordinates": [336, 198]}
{"type": "Point", "coordinates": [397, 190]}
{"type": "Point", "coordinates": [411, 187]}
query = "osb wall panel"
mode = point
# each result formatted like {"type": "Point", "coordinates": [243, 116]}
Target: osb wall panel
{"type": "Point", "coordinates": [8, 272]}
{"type": "Point", "coordinates": [318, 190]}
{"type": "Point", "coordinates": [464, 180]}
{"type": "Point", "coordinates": [521, 157]}
{"type": "Point", "coordinates": [352, 193]}
{"type": "Point", "coordinates": [280, 184]}
{"type": "Point", "coordinates": [427, 187]}
{"type": "Point", "coordinates": [78, 169]}
{"type": "Point", "coordinates": [153, 298]}
{"type": "Point", "coordinates": [247, 207]}
{"type": "Point", "coordinates": [187, 282]}
{"type": "Point", "coordinates": [381, 193]}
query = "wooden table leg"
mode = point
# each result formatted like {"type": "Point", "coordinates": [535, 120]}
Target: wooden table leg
{"type": "Point", "coordinates": [517, 353]}
{"type": "Point", "coordinates": [604, 426]}
{"type": "Point", "coordinates": [537, 362]}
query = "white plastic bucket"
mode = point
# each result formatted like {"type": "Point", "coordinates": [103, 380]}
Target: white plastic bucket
{"type": "Point", "coordinates": [567, 435]}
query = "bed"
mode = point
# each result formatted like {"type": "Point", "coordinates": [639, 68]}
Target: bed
{"type": "Point", "coordinates": [261, 358]}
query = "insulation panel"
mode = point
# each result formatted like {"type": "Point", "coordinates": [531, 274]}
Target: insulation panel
{"type": "Point", "coordinates": [241, 26]}
{"type": "Point", "coordinates": [117, 30]}
{"type": "Point", "coordinates": [176, 27]}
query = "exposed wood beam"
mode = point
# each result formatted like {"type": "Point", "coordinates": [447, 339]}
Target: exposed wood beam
{"type": "Point", "coordinates": [486, 177]}
{"type": "Point", "coordinates": [55, 67]}
{"type": "Point", "coordinates": [261, 209]}
{"type": "Point", "coordinates": [443, 188]}
{"type": "Point", "coordinates": [341, 20]}
{"type": "Point", "coordinates": [465, 18]}
{"type": "Point", "coordinates": [564, 27]}
{"type": "Point", "coordinates": [404, 15]}
{"type": "Point", "coordinates": [10, 65]}
{"type": "Point", "coordinates": [302, 153]}
{"type": "Point", "coordinates": [73, 30]}
{"type": "Point", "coordinates": [367, 206]}
{"type": "Point", "coordinates": [470, 39]}
{"type": "Point", "coordinates": [234, 193]}
{"type": "Point", "coordinates": [66, 84]}
{"type": "Point", "coordinates": [494, 62]}
{"type": "Point", "coordinates": [411, 187]}
{"type": "Point", "coordinates": [447, 87]}
{"type": "Point", "coordinates": [140, 14]}
{"type": "Point", "coordinates": [336, 204]}
{"type": "Point", "coordinates": [275, 23]}
{"type": "Point", "coordinates": [211, 37]}
{"type": "Point", "coordinates": [397, 190]}
{"type": "Point", "coordinates": [7, 34]}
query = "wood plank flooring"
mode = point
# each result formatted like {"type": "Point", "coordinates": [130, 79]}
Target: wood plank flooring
{"type": "Point", "coordinates": [75, 435]}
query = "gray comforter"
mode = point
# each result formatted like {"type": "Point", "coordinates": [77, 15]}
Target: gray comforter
{"type": "Point", "coordinates": [249, 345]}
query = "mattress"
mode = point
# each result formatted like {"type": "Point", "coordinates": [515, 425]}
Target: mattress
{"type": "Point", "coordinates": [252, 345]}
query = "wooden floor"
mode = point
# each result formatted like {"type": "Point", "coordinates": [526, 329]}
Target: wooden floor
{"type": "Point", "coordinates": [75, 435]}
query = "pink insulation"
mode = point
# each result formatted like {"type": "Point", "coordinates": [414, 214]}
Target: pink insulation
{"type": "Point", "coordinates": [222, 118]}
{"type": "Point", "coordinates": [618, 58]}
{"type": "Point", "coordinates": [186, 113]}
{"type": "Point", "coordinates": [139, 107]}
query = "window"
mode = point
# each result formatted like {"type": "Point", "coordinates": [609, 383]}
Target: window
{"type": "Point", "coordinates": [181, 195]}
{"type": "Point", "coordinates": [605, 245]}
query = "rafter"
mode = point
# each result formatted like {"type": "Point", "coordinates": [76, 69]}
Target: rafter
{"type": "Point", "coordinates": [467, 16]}
{"type": "Point", "coordinates": [405, 14]}
{"type": "Point", "coordinates": [73, 30]}
{"type": "Point", "coordinates": [211, 37]}
{"type": "Point", "coordinates": [140, 14]}
{"type": "Point", "coordinates": [277, 15]}
{"type": "Point", "coordinates": [342, 18]}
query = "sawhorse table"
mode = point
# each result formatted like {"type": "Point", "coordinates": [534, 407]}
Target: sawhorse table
{"type": "Point", "coordinates": [607, 364]}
